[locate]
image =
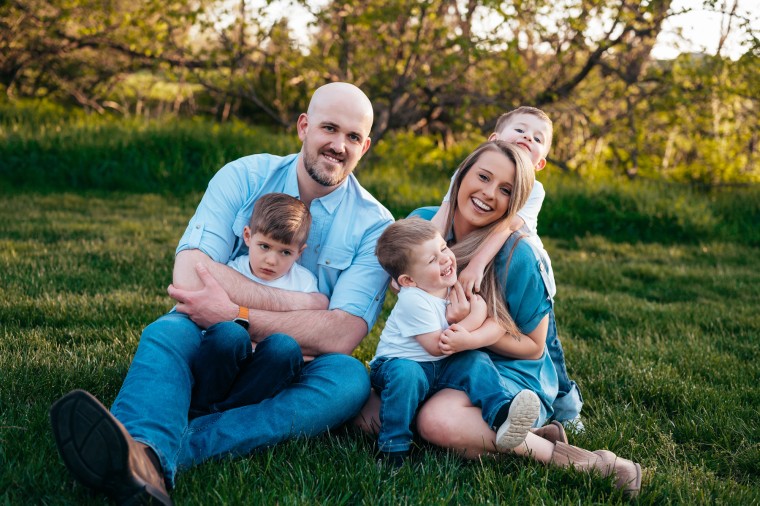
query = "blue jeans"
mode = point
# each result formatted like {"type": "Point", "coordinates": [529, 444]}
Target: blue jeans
{"type": "Point", "coordinates": [569, 401]}
{"type": "Point", "coordinates": [155, 399]}
{"type": "Point", "coordinates": [404, 385]}
{"type": "Point", "coordinates": [228, 374]}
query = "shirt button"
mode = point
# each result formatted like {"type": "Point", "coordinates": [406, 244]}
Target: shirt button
{"type": "Point", "coordinates": [327, 262]}
{"type": "Point", "coordinates": [197, 226]}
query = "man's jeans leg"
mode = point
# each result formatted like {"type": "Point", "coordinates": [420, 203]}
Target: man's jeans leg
{"type": "Point", "coordinates": [568, 404]}
{"type": "Point", "coordinates": [330, 390]}
{"type": "Point", "coordinates": [403, 385]}
{"type": "Point", "coordinates": [474, 373]}
{"type": "Point", "coordinates": [154, 399]}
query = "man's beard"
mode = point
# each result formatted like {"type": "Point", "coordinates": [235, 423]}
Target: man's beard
{"type": "Point", "coordinates": [323, 178]}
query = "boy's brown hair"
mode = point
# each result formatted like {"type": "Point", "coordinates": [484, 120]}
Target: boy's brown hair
{"type": "Point", "coordinates": [282, 218]}
{"type": "Point", "coordinates": [525, 109]}
{"type": "Point", "coordinates": [396, 244]}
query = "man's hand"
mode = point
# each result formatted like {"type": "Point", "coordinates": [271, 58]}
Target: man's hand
{"type": "Point", "coordinates": [459, 306]}
{"type": "Point", "coordinates": [454, 339]}
{"type": "Point", "coordinates": [471, 278]}
{"type": "Point", "coordinates": [207, 306]}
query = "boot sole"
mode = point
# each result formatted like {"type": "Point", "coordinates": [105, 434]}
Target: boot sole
{"type": "Point", "coordinates": [523, 413]}
{"type": "Point", "coordinates": [96, 451]}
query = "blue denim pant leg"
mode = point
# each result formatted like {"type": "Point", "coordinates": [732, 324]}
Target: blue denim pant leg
{"type": "Point", "coordinates": [154, 399]}
{"type": "Point", "coordinates": [224, 349]}
{"type": "Point", "coordinates": [403, 385]}
{"type": "Point", "coordinates": [569, 401]}
{"type": "Point", "coordinates": [330, 390]}
{"type": "Point", "coordinates": [474, 373]}
{"type": "Point", "coordinates": [276, 363]}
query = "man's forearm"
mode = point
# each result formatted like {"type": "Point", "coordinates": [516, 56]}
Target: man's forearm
{"type": "Point", "coordinates": [241, 290]}
{"type": "Point", "coordinates": [318, 332]}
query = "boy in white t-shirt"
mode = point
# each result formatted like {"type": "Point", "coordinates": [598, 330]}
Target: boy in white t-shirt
{"type": "Point", "coordinates": [532, 129]}
{"type": "Point", "coordinates": [276, 237]}
{"type": "Point", "coordinates": [409, 366]}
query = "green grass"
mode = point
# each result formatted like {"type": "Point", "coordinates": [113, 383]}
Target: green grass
{"type": "Point", "coordinates": [662, 336]}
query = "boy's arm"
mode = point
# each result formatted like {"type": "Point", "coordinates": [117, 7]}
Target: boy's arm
{"type": "Point", "coordinates": [430, 341]}
{"type": "Point", "coordinates": [472, 276]}
{"type": "Point", "coordinates": [439, 220]}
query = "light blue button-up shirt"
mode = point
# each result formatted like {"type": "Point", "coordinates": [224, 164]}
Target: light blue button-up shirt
{"type": "Point", "coordinates": [340, 249]}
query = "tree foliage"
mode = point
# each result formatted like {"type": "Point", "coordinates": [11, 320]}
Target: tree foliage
{"type": "Point", "coordinates": [445, 68]}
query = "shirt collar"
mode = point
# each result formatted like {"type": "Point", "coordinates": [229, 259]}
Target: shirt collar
{"type": "Point", "coordinates": [291, 182]}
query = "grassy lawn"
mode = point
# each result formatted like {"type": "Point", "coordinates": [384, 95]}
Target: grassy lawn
{"type": "Point", "coordinates": [661, 335]}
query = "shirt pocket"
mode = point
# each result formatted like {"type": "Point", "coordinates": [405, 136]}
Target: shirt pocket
{"type": "Point", "coordinates": [332, 261]}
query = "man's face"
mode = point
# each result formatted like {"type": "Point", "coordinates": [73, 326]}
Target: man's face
{"type": "Point", "coordinates": [335, 135]}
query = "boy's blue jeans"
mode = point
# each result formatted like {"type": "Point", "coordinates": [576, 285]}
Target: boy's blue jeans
{"type": "Point", "coordinates": [228, 374]}
{"type": "Point", "coordinates": [568, 404]}
{"type": "Point", "coordinates": [155, 399]}
{"type": "Point", "coordinates": [404, 385]}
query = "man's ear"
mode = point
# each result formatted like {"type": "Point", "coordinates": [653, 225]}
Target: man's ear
{"type": "Point", "coordinates": [367, 143]}
{"type": "Point", "coordinates": [302, 125]}
{"type": "Point", "coordinates": [541, 164]}
{"type": "Point", "coordinates": [406, 280]}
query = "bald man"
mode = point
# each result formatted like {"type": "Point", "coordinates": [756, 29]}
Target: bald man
{"type": "Point", "coordinates": [133, 452]}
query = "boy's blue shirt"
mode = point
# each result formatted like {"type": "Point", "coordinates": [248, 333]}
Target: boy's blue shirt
{"type": "Point", "coordinates": [341, 246]}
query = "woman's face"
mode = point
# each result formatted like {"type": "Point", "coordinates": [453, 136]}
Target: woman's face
{"type": "Point", "coordinates": [484, 194]}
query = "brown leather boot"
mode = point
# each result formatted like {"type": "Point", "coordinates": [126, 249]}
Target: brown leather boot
{"type": "Point", "coordinates": [553, 432]}
{"type": "Point", "coordinates": [627, 473]}
{"type": "Point", "coordinates": [100, 453]}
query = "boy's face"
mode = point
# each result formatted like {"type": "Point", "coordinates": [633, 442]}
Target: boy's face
{"type": "Point", "coordinates": [433, 268]}
{"type": "Point", "coordinates": [530, 132]}
{"type": "Point", "coordinates": [270, 259]}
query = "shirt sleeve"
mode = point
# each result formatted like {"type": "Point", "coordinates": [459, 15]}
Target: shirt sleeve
{"type": "Point", "coordinates": [211, 227]}
{"type": "Point", "coordinates": [529, 212]}
{"type": "Point", "coordinates": [524, 290]}
{"type": "Point", "coordinates": [360, 288]}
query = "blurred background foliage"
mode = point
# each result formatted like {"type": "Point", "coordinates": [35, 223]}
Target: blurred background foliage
{"type": "Point", "coordinates": [443, 69]}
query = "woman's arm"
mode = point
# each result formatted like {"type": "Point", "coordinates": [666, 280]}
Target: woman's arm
{"type": "Point", "coordinates": [528, 346]}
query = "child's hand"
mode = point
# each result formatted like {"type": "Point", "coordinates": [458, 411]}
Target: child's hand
{"type": "Point", "coordinates": [459, 306]}
{"type": "Point", "coordinates": [471, 277]}
{"type": "Point", "coordinates": [478, 310]}
{"type": "Point", "coordinates": [454, 339]}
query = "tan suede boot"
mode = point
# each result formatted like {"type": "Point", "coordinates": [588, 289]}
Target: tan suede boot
{"type": "Point", "coordinates": [553, 432]}
{"type": "Point", "coordinates": [627, 474]}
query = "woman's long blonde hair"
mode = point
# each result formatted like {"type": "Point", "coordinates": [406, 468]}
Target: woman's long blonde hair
{"type": "Point", "coordinates": [465, 248]}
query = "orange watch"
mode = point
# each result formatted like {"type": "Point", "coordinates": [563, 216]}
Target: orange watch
{"type": "Point", "coordinates": [242, 317]}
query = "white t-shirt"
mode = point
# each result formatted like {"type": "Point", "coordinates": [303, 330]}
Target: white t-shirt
{"type": "Point", "coordinates": [297, 279]}
{"type": "Point", "coordinates": [416, 312]}
{"type": "Point", "coordinates": [529, 214]}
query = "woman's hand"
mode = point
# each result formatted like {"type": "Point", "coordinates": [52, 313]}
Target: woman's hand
{"type": "Point", "coordinates": [459, 306]}
{"type": "Point", "coordinates": [455, 339]}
